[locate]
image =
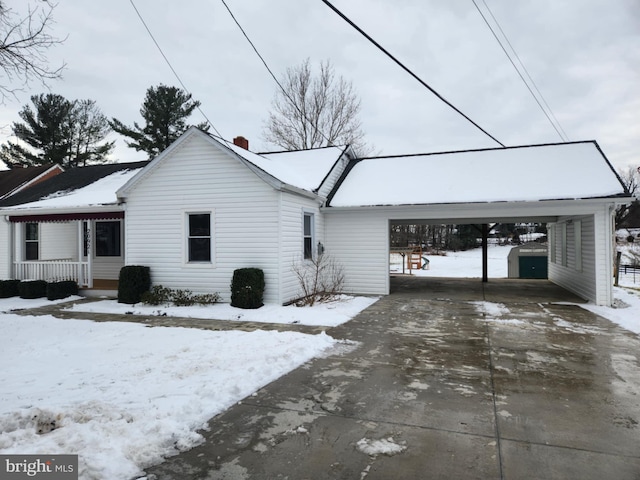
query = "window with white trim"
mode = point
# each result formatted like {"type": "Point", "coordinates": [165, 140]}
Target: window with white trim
{"type": "Point", "coordinates": [31, 242]}
{"type": "Point", "coordinates": [199, 237]}
{"type": "Point", "coordinates": [308, 235]}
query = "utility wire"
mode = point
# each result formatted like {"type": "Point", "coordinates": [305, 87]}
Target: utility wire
{"type": "Point", "coordinates": [284, 91]}
{"type": "Point", "coordinates": [556, 125]}
{"type": "Point", "coordinates": [406, 69]}
{"type": "Point", "coordinates": [171, 66]}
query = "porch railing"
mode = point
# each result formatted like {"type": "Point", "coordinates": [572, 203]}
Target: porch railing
{"type": "Point", "coordinates": [53, 271]}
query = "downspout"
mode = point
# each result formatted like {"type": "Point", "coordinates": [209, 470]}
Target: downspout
{"type": "Point", "coordinates": [280, 258]}
{"type": "Point", "coordinates": [612, 249]}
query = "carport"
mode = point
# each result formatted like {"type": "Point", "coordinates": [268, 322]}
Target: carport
{"type": "Point", "coordinates": [573, 189]}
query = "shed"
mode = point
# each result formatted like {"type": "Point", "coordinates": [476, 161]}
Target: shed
{"type": "Point", "coordinates": [529, 261]}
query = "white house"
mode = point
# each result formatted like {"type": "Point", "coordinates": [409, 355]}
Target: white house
{"type": "Point", "coordinates": [206, 207]}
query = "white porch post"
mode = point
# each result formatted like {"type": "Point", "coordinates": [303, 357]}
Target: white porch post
{"type": "Point", "coordinates": [12, 250]}
{"type": "Point", "coordinates": [82, 238]}
{"type": "Point", "coordinates": [89, 254]}
{"type": "Point", "coordinates": [80, 224]}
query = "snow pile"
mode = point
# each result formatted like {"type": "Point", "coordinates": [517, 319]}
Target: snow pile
{"type": "Point", "coordinates": [491, 310]}
{"type": "Point", "coordinates": [123, 396]}
{"type": "Point", "coordinates": [322, 314]}
{"type": "Point", "coordinates": [385, 446]}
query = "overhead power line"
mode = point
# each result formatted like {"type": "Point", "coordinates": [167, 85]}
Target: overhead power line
{"type": "Point", "coordinates": [539, 97]}
{"type": "Point", "coordinates": [406, 69]}
{"type": "Point", "coordinates": [284, 91]}
{"type": "Point", "coordinates": [175, 73]}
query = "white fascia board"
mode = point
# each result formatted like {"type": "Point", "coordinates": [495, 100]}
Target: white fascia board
{"type": "Point", "coordinates": [13, 212]}
{"type": "Point", "coordinates": [543, 208]}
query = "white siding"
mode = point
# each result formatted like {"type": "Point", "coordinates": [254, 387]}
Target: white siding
{"type": "Point", "coordinates": [359, 241]}
{"type": "Point", "coordinates": [291, 250]}
{"type": "Point", "coordinates": [581, 281]}
{"type": "Point", "coordinates": [198, 177]}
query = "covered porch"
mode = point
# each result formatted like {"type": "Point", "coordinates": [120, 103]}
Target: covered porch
{"type": "Point", "coordinates": [84, 247]}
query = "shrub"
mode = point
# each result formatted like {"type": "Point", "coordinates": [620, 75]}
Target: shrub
{"type": "Point", "coordinates": [133, 281]}
{"type": "Point", "coordinates": [206, 298]}
{"type": "Point", "coordinates": [159, 295]}
{"type": "Point", "coordinates": [247, 288]}
{"type": "Point", "coordinates": [9, 288]}
{"type": "Point", "coordinates": [321, 279]}
{"type": "Point", "coordinates": [32, 289]}
{"type": "Point", "coordinates": [64, 289]}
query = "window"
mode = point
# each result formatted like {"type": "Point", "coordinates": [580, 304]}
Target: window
{"type": "Point", "coordinates": [199, 238]}
{"type": "Point", "coordinates": [308, 236]}
{"type": "Point", "coordinates": [31, 241]}
{"type": "Point", "coordinates": [108, 239]}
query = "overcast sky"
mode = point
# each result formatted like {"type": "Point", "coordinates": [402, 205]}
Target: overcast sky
{"type": "Point", "coordinates": [583, 54]}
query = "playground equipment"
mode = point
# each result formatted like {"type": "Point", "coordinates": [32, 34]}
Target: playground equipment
{"type": "Point", "coordinates": [412, 258]}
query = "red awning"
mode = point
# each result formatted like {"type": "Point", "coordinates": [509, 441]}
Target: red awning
{"type": "Point", "coordinates": [65, 217]}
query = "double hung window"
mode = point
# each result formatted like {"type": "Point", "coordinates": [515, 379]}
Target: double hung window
{"type": "Point", "coordinates": [199, 237]}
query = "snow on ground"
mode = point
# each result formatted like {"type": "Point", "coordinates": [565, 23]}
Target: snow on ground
{"type": "Point", "coordinates": [123, 396]}
{"type": "Point", "coordinates": [625, 313]}
{"type": "Point", "coordinates": [323, 314]}
{"type": "Point", "coordinates": [466, 263]}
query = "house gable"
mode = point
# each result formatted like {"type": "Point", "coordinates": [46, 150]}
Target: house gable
{"type": "Point", "coordinates": [18, 179]}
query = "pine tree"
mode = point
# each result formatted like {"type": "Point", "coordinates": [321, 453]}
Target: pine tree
{"type": "Point", "coordinates": [57, 130]}
{"type": "Point", "coordinates": [164, 111]}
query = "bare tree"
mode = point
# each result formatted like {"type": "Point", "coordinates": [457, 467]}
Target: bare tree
{"type": "Point", "coordinates": [631, 180]}
{"type": "Point", "coordinates": [315, 111]}
{"type": "Point", "coordinates": [321, 279]}
{"type": "Point", "coordinates": [24, 41]}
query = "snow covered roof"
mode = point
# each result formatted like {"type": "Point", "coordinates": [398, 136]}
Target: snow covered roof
{"type": "Point", "coordinates": [305, 169]}
{"type": "Point", "coordinates": [76, 188]}
{"type": "Point", "coordinates": [532, 173]}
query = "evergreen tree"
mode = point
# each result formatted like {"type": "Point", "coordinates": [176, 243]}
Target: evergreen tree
{"type": "Point", "coordinates": [56, 130]}
{"type": "Point", "coordinates": [165, 111]}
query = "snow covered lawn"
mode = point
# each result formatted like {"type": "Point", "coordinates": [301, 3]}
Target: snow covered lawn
{"type": "Point", "coordinates": [324, 314]}
{"type": "Point", "coordinates": [122, 395]}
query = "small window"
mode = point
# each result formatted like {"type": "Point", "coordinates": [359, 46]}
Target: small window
{"type": "Point", "coordinates": [199, 239]}
{"type": "Point", "coordinates": [108, 239]}
{"type": "Point", "coordinates": [31, 241]}
{"type": "Point", "coordinates": [308, 236]}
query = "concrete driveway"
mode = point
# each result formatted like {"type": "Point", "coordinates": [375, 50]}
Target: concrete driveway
{"type": "Point", "coordinates": [450, 379]}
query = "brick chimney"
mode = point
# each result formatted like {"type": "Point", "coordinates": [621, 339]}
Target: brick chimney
{"type": "Point", "coordinates": [241, 142]}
